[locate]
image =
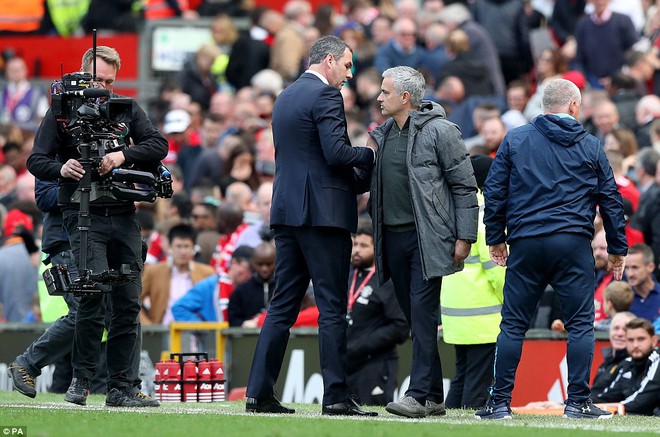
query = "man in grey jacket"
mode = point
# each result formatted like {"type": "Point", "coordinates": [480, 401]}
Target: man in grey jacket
{"type": "Point", "coordinates": [425, 212]}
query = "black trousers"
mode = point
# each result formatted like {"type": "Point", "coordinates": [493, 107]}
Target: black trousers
{"type": "Point", "coordinates": [113, 241]}
{"type": "Point", "coordinates": [374, 383]}
{"type": "Point", "coordinates": [474, 374]}
{"type": "Point", "coordinates": [420, 301]}
{"type": "Point", "coordinates": [322, 254]}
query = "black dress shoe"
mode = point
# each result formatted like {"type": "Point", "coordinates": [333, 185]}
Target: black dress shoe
{"type": "Point", "coordinates": [346, 408]}
{"type": "Point", "coordinates": [271, 405]}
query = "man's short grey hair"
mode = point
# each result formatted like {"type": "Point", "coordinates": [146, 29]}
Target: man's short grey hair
{"type": "Point", "coordinates": [558, 95]}
{"type": "Point", "coordinates": [327, 45]}
{"type": "Point", "coordinates": [407, 79]}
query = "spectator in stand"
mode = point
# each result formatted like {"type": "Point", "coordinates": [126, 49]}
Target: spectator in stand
{"type": "Point", "coordinates": [646, 112]}
{"type": "Point", "coordinates": [163, 9]}
{"type": "Point", "coordinates": [224, 35]}
{"type": "Point", "coordinates": [230, 227]}
{"type": "Point", "coordinates": [464, 64]}
{"type": "Point", "coordinates": [210, 160]}
{"type": "Point", "coordinates": [259, 232]}
{"type": "Point", "coordinates": [249, 54]}
{"type": "Point", "coordinates": [252, 297]}
{"type": "Point", "coordinates": [565, 16]}
{"type": "Point", "coordinates": [621, 90]}
{"type": "Point", "coordinates": [590, 98]}
{"type": "Point", "coordinates": [480, 114]}
{"type": "Point", "coordinates": [381, 30]}
{"type": "Point", "coordinates": [402, 49]}
{"type": "Point", "coordinates": [615, 353]}
{"type": "Point", "coordinates": [640, 66]}
{"type": "Point", "coordinates": [239, 167]}
{"type": "Point", "coordinates": [605, 118]}
{"type": "Point", "coordinates": [517, 96]}
{"type": "Point", "coordinates": [457, 15]}
{"type": "Point", "coordinates": [618, 296]}
{"type": "Point", "coordinates": [639, 273]}
{"type": "Point", "coordinates": [623, 140]}
{"type": "Point", "coordinates": [637, 382]}
{"type": "Point", "coordinates": [209, 134]}
{"type": "Point", "coordinates": [647, 217]}
{"type": "Point", "coordinates": [16, 155]}
{"type": "Point", "coordinates": [603, 28]}
{"type": "Point", "coordinates": [289, 47]}
{"type": "Point", "coordinates": [7, 185]}
{"type": "Point", "coordinates": [196, 78]}
{"type": "Point", "coordinates": [449, 93]}
{"type": "Point", "coordinates": [493, 131]}
{"type": "Point", "coordinates": [203, 219]}
{"type": "Point", "coordinates": [376, 325]}
{"type": "Point", "coordinates": [208, 300]}
{"type": "Point", "coordinates": [21, 102]}
{"type": "Point", "coordinates": [175, 128]}
{"type": "Point", "coordinates": [364, 50]}
{"type": "Point", "coordinates": [626, 187]}
{"type": "Point", "coordinates": [506, 22]}
{"type": "Point", "coordinates": [164, 283]}
{"type": "Point", "coordinates": [436, 54]}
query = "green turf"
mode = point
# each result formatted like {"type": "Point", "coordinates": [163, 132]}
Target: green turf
{"type": "Point", "coordinates": [49, 415]}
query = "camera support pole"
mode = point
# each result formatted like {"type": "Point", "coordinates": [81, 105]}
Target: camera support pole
{"type": "Point", "coordinates": [84, 219]}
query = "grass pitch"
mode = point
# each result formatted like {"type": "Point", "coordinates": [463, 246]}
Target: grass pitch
{"type": "Point", "coordinates": [48, 415]}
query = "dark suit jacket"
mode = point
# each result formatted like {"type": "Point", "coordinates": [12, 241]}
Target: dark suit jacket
{"type": "Point", "coordinates": [315, 182]}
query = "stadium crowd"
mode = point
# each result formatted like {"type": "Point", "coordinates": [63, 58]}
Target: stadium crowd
{"type": "Point", "coordinates": [210, 254]}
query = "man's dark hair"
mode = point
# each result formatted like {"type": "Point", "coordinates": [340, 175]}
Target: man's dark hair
{"type": "Point", "coordinates": [365, 228]}
{"type": "Point", "coordinates": [327, 45]}
{"type": "Point", "coordinates": [642, 323]}
{"type": "Point", "coordinates": [622, 81]}
{"type": "Point", "coordinates": [242, 253]}
{"type": "Point", "coordinates": [183, 231]}
{"type": "Point", "coordinates": [183, 204]}
{"type": "Point", "coordinates": [11, 145]}
{"type": "Point", "coordinates": [645, 250]}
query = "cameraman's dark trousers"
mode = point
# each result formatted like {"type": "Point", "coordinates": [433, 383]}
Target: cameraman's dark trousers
{"type": "Point", "coordinates": [113, 240]}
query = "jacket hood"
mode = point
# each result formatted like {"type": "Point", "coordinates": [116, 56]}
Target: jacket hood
{"type": "Point", "coordinates": [565, 131]}
{"type": "Point", "coordinates": [427, 111]}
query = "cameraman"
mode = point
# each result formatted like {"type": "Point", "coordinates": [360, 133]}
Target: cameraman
{"type": "Point", "coordinates": [113, 238]}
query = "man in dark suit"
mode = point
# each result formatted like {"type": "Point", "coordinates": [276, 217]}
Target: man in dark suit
{"type": "Point", "coordinates": [314, 211]}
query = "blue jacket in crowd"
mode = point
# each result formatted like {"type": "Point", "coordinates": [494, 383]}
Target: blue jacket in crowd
{"type": "Point", "coordinates": [198, 304]}
{"type": "Point", "coordinates": [548, 176]}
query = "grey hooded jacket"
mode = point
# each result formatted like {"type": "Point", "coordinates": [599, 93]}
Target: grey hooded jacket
{"type": "Point", "coordinates": [442, 187]}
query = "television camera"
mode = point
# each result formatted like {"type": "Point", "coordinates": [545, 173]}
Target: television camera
{"type": "Point", "coordinates": [97, 122]}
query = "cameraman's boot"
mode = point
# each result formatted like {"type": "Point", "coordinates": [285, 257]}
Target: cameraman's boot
{"type": "Point", "coordinates": [78, 391]}
{"type": "Point", "coordinates": [22, 381]}
{"type": "Point", "coordinates": [120, 397]}
{"type": "Point", "coordinates": [144, 399]}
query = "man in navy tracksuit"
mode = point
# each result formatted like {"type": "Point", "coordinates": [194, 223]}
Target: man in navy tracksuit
{"type": "Point", "coordinates": [541, 196]}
